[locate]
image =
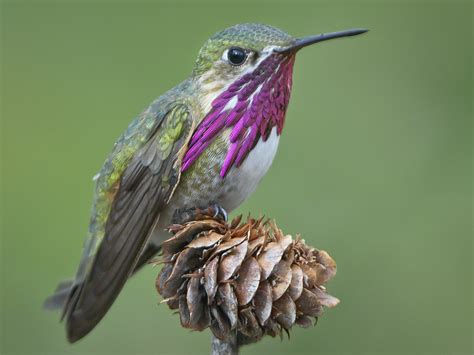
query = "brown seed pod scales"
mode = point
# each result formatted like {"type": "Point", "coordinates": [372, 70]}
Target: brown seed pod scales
{"type": "Point", "coordinates": [247, 277]}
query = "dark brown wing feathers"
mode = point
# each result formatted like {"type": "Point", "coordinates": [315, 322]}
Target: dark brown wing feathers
{"type": "Point", "coordinates": [142, 194]}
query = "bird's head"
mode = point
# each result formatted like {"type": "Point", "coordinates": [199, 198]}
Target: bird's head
{"type": "Point", "coordinates": [244, 75]}
{"type": "Point", "coordinates": [238, 49]}
{"type": "Point", "coordinates": [253, 50]}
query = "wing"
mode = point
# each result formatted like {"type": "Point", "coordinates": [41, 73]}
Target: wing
{"type": "Point", "coordinates": [144, 188]}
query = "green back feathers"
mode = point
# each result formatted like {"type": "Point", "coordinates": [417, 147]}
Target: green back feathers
{"type": "Point", "coordinates": [130, 142]}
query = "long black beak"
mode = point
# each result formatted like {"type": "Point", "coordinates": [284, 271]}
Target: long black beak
{"type": "Point", "coordinates": [306, 41]}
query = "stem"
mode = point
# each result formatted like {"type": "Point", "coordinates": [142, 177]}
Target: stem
{"type": "Point", "coordinates": [228, 346]}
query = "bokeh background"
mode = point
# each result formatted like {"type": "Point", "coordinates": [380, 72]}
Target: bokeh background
{"type": "Point", "coordinates": [374, 165]}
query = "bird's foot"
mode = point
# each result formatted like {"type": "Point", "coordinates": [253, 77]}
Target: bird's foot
{"type": "Point", "coordinates": [184, 215]}
{"type": "Point", "coordinates": [187, 214]}
{"type": "Point", "coordinates": [219, 212]}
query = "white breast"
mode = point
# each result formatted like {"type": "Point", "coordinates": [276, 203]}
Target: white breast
{"type": "Point", "coordinates": [241, 182]}
{"type": "Point", "coordinates": [197, 190]}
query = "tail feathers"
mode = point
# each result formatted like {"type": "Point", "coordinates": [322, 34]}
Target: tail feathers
{"type": "Point", "coordinates": [64, 298]}
{"type": "Point", "coordinates": [84, 306]}
{"type": "Point", "coordinates": [58, 299]}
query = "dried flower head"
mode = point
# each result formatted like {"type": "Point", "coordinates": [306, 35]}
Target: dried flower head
{"type": "Point", "coordinates": [245, 277]}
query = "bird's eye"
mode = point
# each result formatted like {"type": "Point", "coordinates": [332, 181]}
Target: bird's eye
{"type": "Point", "coordinates": [236, 56]}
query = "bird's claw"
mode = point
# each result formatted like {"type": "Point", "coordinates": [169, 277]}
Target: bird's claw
{"type": "Point", "coordinates": [184, 215]}
{"type": "Point", "coordinates": [187, 214]}
{"type": "Point", "coordinates": [220, 212]}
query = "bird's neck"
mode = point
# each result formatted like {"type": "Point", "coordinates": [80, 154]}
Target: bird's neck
{"type": "Point", "coordinates": [249, 107]}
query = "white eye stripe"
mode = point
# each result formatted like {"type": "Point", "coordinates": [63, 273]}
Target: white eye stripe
{"type": "Point", "coordinates": [224, 55]}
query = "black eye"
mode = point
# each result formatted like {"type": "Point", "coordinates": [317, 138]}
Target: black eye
{"type": "Point", "coordinates": [236, 56]}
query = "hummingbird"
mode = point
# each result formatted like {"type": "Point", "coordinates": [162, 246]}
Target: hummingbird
{"type": "Point", "coordinates": [206, 142]}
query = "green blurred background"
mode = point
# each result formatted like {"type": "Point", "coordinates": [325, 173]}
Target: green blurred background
{"type": "Point", "coordinates": [374, 165]}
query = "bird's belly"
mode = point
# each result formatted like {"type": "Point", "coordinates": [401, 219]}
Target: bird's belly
{"type": "Point", "coordinates": [241, 182]}
{"type": "Point", "coordinates": [201, 185]}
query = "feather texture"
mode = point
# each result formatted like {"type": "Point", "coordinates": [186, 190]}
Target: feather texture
{"type": "Point", "coordinates": [144, 189]}
{"type": "Point", "coordinates": [251, 106]}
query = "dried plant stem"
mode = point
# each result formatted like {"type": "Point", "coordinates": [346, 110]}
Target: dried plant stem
{"type": "Point", "coordinates": [229, 346]}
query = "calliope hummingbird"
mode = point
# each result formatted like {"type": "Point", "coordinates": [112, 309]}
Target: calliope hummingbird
{"type": "Point", "coordinates": [206, 142]}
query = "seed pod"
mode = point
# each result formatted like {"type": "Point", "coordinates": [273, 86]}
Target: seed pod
{"type": "Point", "coordinates": [247, 276]}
